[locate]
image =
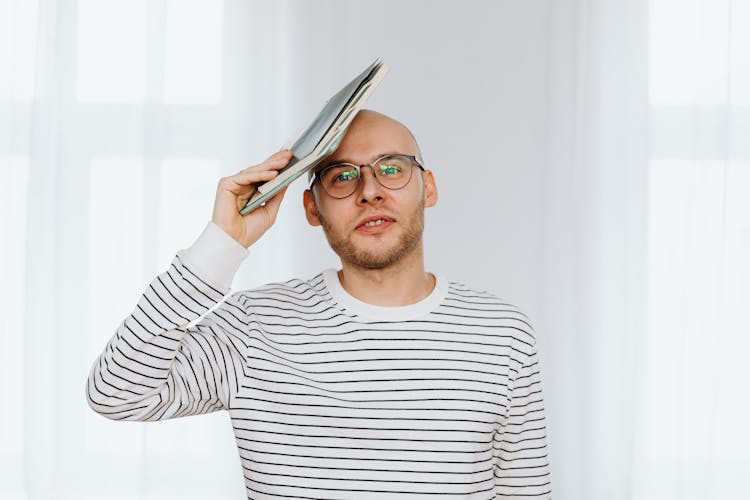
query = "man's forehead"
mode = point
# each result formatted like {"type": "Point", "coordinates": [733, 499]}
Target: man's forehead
{"type": "Point", "coordinates": [360, 157]}
{"type": "Point", "coordinates": [369, 136]}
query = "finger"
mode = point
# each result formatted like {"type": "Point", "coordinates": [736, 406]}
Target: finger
{"type": "Point", "coordinates": [281, 152]}
{"type": "Point", "coordinates": [279, 159]}
{"type": "Point", "coordinates": [246, 178]}
{"type": "Point", "coordinates": [275, 161]}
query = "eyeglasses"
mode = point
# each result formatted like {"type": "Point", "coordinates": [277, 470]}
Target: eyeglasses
{"type": "Point", "coordinates": [341, 180]}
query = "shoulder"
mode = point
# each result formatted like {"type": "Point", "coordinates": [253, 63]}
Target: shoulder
{"type": "Point", "coordinates": [480, 298]}
{"type": "Point", "coordinates": [296, 289]}
{"type": "Point", "coordinates": [484, 305]}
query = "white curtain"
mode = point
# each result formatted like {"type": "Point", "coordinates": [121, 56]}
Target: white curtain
{"type": "Point", "coordinates": [118, 119]}
{"type": "Point", "coordinates": [699, 280]}
{"type": "Point", "coordinates": [648, 229]}
{"type": "Point", "coordinates": [596, 219]}
{"type": "Point", "coordinates": [610, 139]}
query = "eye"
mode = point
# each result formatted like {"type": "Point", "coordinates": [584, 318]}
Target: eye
{"type": "Point", "coordinates": [389, 169]}
{"type": "Point", "coordinates": [345, 176]}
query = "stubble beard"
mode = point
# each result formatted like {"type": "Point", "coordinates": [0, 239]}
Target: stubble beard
{"type": "Point", "coordinates": [368, 259]}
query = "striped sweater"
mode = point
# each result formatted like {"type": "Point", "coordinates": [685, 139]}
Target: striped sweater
{"type": "Point", "coordinates": [330, 397]}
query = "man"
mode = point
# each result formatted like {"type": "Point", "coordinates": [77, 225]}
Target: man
{"type": "Point", "coordinates": [376, 381]}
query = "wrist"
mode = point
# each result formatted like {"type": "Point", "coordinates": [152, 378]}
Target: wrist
{"type": "Point", "coordinates": [216, 255]}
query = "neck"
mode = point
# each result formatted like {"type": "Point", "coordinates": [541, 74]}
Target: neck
{"type": "Point", "coordinates": [403, 283]}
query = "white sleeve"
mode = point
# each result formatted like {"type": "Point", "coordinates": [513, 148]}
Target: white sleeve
{"type": "Point", "coordinates": [522, 468]}
{"type": "Point", "coordinates": [157, 367]}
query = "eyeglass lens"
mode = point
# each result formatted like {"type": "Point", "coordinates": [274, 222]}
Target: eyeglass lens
{"type": "Point", "coordinates": [341, 180]}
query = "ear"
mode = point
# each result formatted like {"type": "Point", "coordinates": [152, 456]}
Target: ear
{"type": "Point", "coordinates": [430, 189]}
{"type": "Point", "coordinates": [311, 209]}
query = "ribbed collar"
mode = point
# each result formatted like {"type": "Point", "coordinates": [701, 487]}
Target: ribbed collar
{"type": "Point", "coordinates": [384, 313]}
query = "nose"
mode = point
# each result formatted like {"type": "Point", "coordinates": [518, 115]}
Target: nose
{"type": "Point", "coordinates": [369, 189]}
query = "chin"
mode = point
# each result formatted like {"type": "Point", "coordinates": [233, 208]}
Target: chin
{"type": "Point", "coordinates": [378, 256]}
{"type": "Point", "coordinates": [379, 251]}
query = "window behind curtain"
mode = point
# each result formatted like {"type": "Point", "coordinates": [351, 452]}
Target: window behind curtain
{"type": "Point", "coordinates": [138, 89]}
{"type": "Point", "coordinates": [699, 289]}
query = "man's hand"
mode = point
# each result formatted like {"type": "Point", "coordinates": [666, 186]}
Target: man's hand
{"type": "Point", "coordinates": [233, 193]}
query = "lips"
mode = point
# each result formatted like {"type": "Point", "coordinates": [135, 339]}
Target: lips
{"type": "Point", "coordinates": [386, 220]}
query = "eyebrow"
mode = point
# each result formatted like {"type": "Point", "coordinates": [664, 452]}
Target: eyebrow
{"type": "Point", "coordinates": [351, 162]}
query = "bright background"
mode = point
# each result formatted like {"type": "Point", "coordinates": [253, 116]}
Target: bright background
{"type": "Point", "coordinates": [593, 164]}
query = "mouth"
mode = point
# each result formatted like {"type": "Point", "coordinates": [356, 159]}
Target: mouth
{"type": "Point", "coordinates": [375, 224]}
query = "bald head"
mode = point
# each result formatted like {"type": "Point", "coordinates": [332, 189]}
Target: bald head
{"type": "Point", "coordinates": [372, 134]}
{"type": "Point", "coordinates": [368, 119]}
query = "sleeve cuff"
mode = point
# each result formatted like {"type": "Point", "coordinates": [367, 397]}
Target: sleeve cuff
{"type": "Point", "coordinates": [215, 255]}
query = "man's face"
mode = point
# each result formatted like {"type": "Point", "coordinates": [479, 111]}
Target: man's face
{"type": "Point", "coordinates": [369, 137]}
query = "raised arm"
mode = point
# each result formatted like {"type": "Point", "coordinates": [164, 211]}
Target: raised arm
{"type": "Point", "coordinates": [157, 366]}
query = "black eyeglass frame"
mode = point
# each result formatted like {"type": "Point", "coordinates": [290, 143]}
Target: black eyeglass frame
{"type": "Point", "coordinates": [316, 176]}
